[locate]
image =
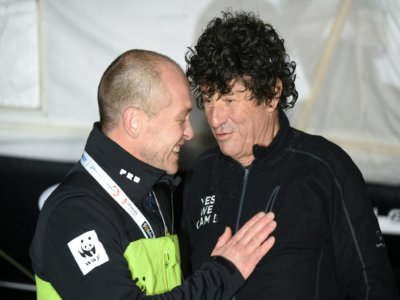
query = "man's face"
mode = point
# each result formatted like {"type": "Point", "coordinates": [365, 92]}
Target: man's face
{"type": "Point", "coordinates": [238, 123]}
{"type": "Point", "coordinates": [166, 131]}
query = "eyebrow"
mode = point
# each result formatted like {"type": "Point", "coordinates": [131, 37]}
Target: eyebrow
{"type": "Point", "coordinates": [184, 113]}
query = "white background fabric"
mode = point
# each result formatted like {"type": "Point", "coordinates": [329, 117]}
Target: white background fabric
{"type": "Point", "coordinates": [53, 53]}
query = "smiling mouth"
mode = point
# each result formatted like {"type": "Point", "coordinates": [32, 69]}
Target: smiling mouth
{"type": "Point", "coordinates": [176, 149]}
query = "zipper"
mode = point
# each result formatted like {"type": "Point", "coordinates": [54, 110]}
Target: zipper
{"type": "Point", "coordinates": [177, 181]}
{"type": "Point", "coordinates": [172, 213]}
{"type": "Point", "coordinates": [161, 214]}
{"type": "Point", "coordinates": [246, 175]}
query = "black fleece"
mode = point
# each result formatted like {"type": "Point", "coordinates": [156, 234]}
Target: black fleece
{"type": "Point", "coordinates": [328, 241]}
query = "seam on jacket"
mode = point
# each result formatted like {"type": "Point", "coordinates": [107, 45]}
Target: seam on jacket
{"type": "Point", "coordinates": [272, 197]}
{"type": "Point", "coordinates": [318, 275]}
{"type": "Point", "coordinates": [353, 235]}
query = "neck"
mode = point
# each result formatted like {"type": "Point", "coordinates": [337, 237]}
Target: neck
{"type": "Point", "coordinates": [265, 137]}
{"type": "Point", "coordinates": [271, 129]}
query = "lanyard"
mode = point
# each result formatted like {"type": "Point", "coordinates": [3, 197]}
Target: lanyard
{"type": "Point", "coordinates": [117, 194]}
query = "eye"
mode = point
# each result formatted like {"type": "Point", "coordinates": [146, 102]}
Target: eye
{"type": "Point", "coordinates": [181, 122]}
{"type": "Point", "coordinates": [228, 101]}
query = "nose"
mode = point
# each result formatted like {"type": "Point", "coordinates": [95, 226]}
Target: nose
{"type": "Point", "coordinates": [188, 131]}
{"type": "Point", "coordinates": [215, 115]}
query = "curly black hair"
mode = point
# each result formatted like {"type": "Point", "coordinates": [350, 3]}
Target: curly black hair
{"type": "Point", "coordinates": [240, 46]}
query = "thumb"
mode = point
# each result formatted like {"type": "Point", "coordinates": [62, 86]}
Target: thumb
{"type": "Point", "coordinates": [224, 238]}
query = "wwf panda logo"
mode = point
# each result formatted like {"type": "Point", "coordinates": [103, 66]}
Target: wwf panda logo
{"type": "Point", "coordinates": [88, 251]}
{"type": "Point", "coordinates": [87, 247]}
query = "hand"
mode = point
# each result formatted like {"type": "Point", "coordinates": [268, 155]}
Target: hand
{"type": "Point", "coordinates": [246, 248]}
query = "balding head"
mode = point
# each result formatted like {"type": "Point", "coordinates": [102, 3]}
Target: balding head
{"type": "Point", "coordinates": [132, 79]}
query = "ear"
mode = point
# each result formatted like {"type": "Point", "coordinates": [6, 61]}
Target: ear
{"type": "Point", "coordinates": [132, 120]}
{"type": "Point", "coordinates": [271, 106]}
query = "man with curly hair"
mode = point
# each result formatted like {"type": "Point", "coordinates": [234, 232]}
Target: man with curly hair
{"type": "Point", "coordinates": [328, 243]}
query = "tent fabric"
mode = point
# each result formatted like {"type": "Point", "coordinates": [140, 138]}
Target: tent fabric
{"type": "Point", "coordinates": [53, 53]}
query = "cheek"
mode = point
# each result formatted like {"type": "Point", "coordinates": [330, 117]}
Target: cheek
{"type": "Point", "coordinates": [168, 138]}
{"type": "Point", "coordinates": [240, 115]}
{"type": "Point", "coordinates": [208, 116]}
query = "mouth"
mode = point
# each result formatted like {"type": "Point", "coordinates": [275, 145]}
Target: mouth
{"type": "Point", "coordinates": [221, 135]}
{"type": "Point", "coordinates": [177, 149]}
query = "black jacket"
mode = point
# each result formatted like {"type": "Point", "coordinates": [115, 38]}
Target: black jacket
{"type": "Point", "coordinates": [80, 205]}
{"type": "Point", "coordinates": [328, 241]}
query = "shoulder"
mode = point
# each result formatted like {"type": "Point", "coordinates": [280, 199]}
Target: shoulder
{"type": "Point", "coordinates": [208, 156]}
{"type": "Point", "coordinates": [324, 151]}
{"type": "Point", "coordinates": [76, 192]}
{"type": "Point", "coordinates": [202, 166]}
{"type": "Point", "coordinates": [73, 209]}
{"type": "Point", "coordinates": [71, 213]}
{"type": "Point", "coordinates": [206, 159]}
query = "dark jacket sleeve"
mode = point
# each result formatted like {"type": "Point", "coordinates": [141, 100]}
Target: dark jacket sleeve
{"type": "Point", "coordinates": [360, 250]}
{"type": "Point", "coordinates": [217, 279]}
{"type": "Point", "coordinates": [185, 229]}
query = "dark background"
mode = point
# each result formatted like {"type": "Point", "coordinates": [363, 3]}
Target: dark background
{"type": "Point", "coordinates": [22, 181]}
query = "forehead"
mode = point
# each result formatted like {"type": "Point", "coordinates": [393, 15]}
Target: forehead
{"type": "Point", "coordinates": [235, 87]}
{"type": "Point", "coordinates": [178, 101]}
{"type": "Point", "coordinates": [180, 108]}
{"type": "Point", "coordinates": [174, 87]}
{"type": "Point", "coordinates": [180, 96]}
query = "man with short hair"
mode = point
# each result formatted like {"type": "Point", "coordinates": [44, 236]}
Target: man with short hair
{"type": "Point", "coordinates": [107, 231]}
{"type": "Point", "coordinates": [329, 245]}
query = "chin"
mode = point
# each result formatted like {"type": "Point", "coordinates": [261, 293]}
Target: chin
{"type": "Point", "coordinates": [226, 151]}
{"type": "Point", "coordinates": [172, 171]}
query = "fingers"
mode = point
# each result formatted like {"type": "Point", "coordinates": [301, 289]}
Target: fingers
{"type": "Point", "coordinates": [252, 227]}
{"type": "Point", "coordinates": [242, 231]}
{"type": "Point", "coordinates": [259, 231]}
{"type": "Point", "coordinates": [263, 249]}
{"type": "Point", "coordinates": [246, 248]}
{"type": "Point", "coordinates": [224, 238]}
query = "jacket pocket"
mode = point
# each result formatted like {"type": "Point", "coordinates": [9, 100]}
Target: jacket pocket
{"type": "Point", "coordinates": [272, 198]}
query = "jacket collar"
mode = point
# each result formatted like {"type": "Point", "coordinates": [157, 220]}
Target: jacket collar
{"type": "Point", "coordinates": [134, 177]}
{"type": "Point", "coordinates": [277, 142]}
